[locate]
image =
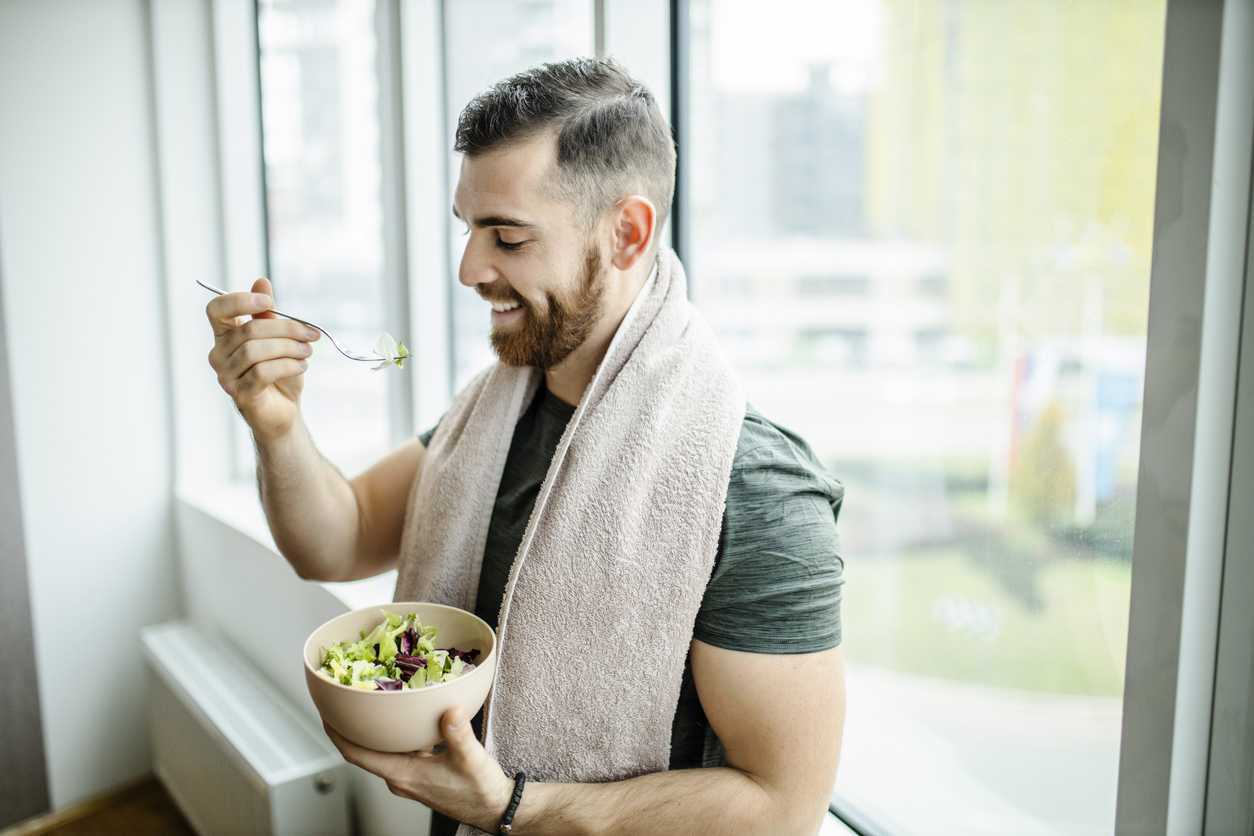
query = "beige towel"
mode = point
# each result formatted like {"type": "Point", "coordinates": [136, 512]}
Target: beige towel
{"type": "Point", "coordinates": [599, 608]}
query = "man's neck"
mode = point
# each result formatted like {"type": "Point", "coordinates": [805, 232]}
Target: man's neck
{"type": "Point", "coordinates": [568, 379]}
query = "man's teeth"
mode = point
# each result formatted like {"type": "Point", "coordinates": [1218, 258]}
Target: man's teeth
{"type": "Point", "coordinates": [502, 307]}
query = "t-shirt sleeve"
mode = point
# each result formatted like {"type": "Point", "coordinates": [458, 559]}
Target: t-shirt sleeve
{"type": "Point", "coordinates": [425, 437]}
{"type": "Point", "coordinates": [776, 586]}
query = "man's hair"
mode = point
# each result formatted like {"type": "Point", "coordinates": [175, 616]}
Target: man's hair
{"type": "Point", "coordinates": [612, 139]}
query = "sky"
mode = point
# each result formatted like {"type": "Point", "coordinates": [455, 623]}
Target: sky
{"type": "Point", "coordinates": [759, 48]}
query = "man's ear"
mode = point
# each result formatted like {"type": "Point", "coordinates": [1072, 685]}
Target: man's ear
{"type": "Point", "coordinates": [633, 230]}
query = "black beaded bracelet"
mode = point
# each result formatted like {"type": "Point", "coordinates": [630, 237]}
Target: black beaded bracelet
{"type": "Point", "coordinates": [506, 825]}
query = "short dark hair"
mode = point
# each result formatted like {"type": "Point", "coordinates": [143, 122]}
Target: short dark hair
{"type": "Point", "coordinates": [612, 139]}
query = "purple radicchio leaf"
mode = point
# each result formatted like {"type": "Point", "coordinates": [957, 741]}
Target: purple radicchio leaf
{"type": "Point", "coordinates": [405, 659]}
{"type": "Point", "coordinates": [409, 665]}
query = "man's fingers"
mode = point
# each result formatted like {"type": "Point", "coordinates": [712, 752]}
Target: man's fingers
{"type": "Point", "coordinates": [261, 329]}
{"type": "Point", "coordinates": [383, 764]}
{"type": "Point", "coordinates": [264, 373]}
{"type": "Point", "coordinates": [459, 738]}
{"type": "Point", "coordinates": [263, 287]}
{"type": "Point", "coordinates": [223, 310]}
{"type": "Point", "coordinates": [252, 352]}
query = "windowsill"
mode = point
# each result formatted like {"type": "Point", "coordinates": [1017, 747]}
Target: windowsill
{"type": "Point", "coordinates": [235, 504]}
{"type": "Point", "coordinates": [833, 826]}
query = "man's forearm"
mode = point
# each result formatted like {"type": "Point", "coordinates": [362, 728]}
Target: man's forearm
{"type": "Point", "coordinates": [309, 505]}
{"type": "Point", "coordinates": [685, 801]}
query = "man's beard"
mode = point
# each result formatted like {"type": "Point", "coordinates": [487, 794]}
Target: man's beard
{"type": "Point", "coordinates": [546, 340]}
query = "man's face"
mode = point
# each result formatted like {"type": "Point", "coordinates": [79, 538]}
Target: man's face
{"type": "Point", "coordinates": [527, 255]}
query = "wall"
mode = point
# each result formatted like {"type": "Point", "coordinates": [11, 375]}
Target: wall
{"type": "Point", "coordinates": [82, 296]}
{"type": "Point", "coordinates": [24, 792]}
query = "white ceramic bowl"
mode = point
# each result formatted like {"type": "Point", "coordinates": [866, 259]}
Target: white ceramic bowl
{"type": "Point", "coordinates": [407, 720]}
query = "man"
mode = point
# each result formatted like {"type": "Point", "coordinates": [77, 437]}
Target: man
{"type": "Point", "coordinates": [659, 560]}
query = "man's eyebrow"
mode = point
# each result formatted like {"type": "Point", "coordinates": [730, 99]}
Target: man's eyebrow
{"type": "Point", "coordinates": [495, 220]}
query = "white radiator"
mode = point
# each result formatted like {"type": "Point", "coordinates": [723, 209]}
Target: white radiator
{"type": "Point", "coordinates": [235, 755]}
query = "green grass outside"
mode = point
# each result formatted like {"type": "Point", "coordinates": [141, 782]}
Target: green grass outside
{"type": "Point", "coordinates": [1072, 642]}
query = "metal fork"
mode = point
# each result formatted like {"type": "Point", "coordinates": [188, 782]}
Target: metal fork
{"type": "Point", "coordinates": [375, 359]}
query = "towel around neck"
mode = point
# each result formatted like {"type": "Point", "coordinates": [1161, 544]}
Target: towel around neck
{"type": "Point", "coordinates": [598, 612]}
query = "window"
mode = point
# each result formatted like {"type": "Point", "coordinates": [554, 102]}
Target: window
{"type": "Point", "coordinates": [486, 42]}
{"type": "Point", "coordinates": [988, 170]}
{"type": "Point", "coordinates": [828, 286]}
{"type": "Point", "coordinates": [320, 120]}
{"type": "Point", "coordinates": [934, 285]}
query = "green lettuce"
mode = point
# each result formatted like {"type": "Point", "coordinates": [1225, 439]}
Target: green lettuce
{"type": "Point", "coordinates": [373, 661]}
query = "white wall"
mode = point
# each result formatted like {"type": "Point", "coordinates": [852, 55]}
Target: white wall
{"type": "Point", "coordinates": [79, 239]}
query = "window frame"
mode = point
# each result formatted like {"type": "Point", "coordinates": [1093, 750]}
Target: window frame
{"type": "Point", "coordinates": [394, 196]}
{"type": "Point", "coordinates": [680, 99]}
{"type": "Point", "coordinates": [430, 273]}
{"type": "Point", "coordinates": [1230, 801]}
{"type": "Point", "coordinates": [1201, 220]}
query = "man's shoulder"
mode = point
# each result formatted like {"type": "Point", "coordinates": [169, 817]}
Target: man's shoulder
{"type": "Point", "coordinates": [760, 436]}
{"type": "Point", "coordinates": [773, 460]}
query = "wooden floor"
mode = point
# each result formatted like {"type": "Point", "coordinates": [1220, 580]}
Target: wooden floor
{"type": "Point", "coordinates": [144, 809]}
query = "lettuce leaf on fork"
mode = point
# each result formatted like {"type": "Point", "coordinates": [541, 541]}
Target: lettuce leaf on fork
{"type": "Point", "coordinates": [390, 351]}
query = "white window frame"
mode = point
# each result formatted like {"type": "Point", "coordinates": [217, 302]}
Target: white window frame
{"type": "Point", "coordinates": [393, 193]}
{"type": "Point", "coordinates": [430, 272]}
{"type": "Point", "coordinates": [1229, 795]}
{"type": "Point", "coordinates": [1197, 282]}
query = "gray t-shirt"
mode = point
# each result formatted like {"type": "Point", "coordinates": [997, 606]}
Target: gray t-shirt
{"type": "Point", "coordinates": [776, 583]}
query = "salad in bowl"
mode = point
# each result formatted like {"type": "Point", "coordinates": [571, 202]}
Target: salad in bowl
{"type": "Point", "coordinates": [398, 654]}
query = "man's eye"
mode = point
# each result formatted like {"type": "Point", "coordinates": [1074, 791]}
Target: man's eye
{"type": "Point", "coordinates": [508, 246]}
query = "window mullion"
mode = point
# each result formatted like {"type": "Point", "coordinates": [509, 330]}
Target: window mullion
{"type": "Point", "coordinates": [392, 161]}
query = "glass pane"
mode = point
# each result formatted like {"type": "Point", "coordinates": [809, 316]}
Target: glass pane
{"type": "Point", "coordinates": [319, 94]}
{"type": "Point", "coordinates": [922, 229]}
{"type": "Point", "coordinates": [487, 41]}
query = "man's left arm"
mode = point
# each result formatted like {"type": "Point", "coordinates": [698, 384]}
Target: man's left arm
{"type": "Point", "coordinates": [780, 718]}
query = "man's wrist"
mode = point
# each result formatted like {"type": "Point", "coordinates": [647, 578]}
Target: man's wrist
{"type": "Point", "coordinates": [500, 799]}
{"type": "Point", "coordinates": [537, 799]}
{"type": "Point", "coordinates": [275, 441]}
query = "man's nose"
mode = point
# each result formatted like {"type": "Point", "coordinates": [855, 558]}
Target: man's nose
{"type": "Point", "coordinates": [474, 269]}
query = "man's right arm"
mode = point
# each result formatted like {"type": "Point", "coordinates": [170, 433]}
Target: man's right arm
{"type": "Point", "coordinates": [327, 527]}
